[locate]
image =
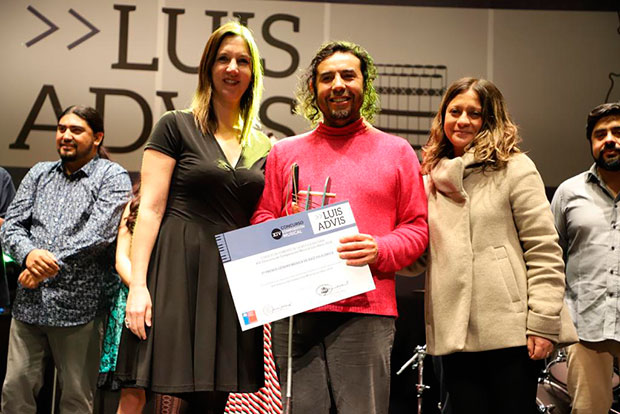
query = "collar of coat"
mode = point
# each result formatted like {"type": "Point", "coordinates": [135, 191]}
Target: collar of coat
{"type": "Point", "coordinates": [447, 176]}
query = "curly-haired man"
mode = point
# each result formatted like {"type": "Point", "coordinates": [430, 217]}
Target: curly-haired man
{"type": "Point", "coordinates": [341, 351]}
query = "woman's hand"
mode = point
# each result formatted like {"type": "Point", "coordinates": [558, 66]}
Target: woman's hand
{"type": "Point", "coordinates": [156, 174]}
{"type": "Point", "coordinates": [138, 311]}
{"type": "Point", "coordinates": [358, 250]}
{"type": "Point", "coordinates": [538, 347]}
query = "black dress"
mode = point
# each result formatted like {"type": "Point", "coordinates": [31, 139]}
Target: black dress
{"type": "Point", "coordinates": [195, 343]}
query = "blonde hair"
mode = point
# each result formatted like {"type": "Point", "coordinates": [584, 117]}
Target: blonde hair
{"type": "Point", "coordinates": [201, 104]}
{"type": "Point", "coordinates": [497, 139]}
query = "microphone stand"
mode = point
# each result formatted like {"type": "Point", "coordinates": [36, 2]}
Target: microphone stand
{"type": "Point", "coordinates": [417, 362]}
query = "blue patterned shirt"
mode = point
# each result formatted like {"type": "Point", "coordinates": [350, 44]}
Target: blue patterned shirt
{"type": "Point", "coordinates": [76, 218]}
{"type": "Point", "coordinates": [586, 217]}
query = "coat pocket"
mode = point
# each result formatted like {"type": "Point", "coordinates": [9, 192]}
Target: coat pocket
{"type": "Point", "coordinates": [508, 275]}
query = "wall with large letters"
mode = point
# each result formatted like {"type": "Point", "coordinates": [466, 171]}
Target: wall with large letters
{"type": "Point", "coordinates": [133, 60]}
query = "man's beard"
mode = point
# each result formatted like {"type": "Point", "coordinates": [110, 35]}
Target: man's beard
{"type": "Point", "coordinates": [341, 114]}
{"type": "Point", "coordinates": [68, 157]}
{"type": "Point", "coordinates": [610, 164]}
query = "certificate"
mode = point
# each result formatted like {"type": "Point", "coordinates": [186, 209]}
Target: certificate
{"type": "Point", "coordinates": [290, 265]}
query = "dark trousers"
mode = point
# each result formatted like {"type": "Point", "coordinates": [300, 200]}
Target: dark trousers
{"type": "Point", "coordinates": [499, 381]}
{"type": "Point", "coordinates": [342, 358]}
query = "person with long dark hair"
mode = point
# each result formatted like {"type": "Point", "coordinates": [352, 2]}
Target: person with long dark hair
{"type": "Point", "coordinates": [132, 399]}
{"type": "Point", "coordinates": [495, 276]}
{"type": "Point", "coordinates": [202, 174]}
{"type": "Point", "coordinates": [61, 226]}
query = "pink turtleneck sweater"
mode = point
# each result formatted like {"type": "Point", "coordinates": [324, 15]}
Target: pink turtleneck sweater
{"type": "Point", "coordinates": [379, 175]}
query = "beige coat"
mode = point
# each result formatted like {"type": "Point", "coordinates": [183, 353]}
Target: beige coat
{"type": "Point", "coordinates": [495, 272]}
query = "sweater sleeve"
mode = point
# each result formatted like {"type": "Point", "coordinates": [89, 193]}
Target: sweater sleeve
{"type": "Point", "coordinates": [541, 252]}
{"type": "Point", "coordinates": [409, 238]}
{"type": "Point", "coordinates": [271, 204]}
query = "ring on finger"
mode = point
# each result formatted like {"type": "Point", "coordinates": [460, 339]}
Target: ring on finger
{"type": "Point", "coordinates": [127, 323]}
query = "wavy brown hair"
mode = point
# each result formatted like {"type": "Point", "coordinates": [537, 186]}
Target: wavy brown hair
{"type": "Point", "coordinates": [134, 205]}
{"type": "Point", "coordinates": [202, 107]}
{"type": "Point", "coordinates": [497, 139]}
{"type": "Point", "coordinates": [306, 89]}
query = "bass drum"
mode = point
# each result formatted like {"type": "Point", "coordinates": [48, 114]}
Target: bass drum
{"type": "Point", "coordinates": [552, 398]}
{"type": "Point", "coordinates": [552, 395]}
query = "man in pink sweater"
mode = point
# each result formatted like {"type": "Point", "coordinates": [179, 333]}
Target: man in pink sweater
{"type": "Point", "coordinates": [341, 351]}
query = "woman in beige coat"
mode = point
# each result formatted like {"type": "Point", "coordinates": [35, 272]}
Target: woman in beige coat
{"type": "Point", "coordinates": [495, 281]}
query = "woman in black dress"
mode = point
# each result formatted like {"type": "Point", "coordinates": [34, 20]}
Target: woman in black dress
{"type": "Point", "coordinates": [202, 174]}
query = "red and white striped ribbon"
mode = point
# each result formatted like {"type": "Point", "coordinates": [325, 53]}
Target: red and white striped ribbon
{"type": "Point", "coordinates": [268, 400]}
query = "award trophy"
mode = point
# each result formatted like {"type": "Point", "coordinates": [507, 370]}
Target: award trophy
{"type": "Point", "coordinates": [297, 196]}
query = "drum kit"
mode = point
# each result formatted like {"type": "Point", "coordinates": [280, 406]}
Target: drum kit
{"type": "Point", "coordinates": [552, 396]}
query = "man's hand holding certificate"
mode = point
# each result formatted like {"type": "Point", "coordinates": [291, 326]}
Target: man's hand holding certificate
{"type": "Point", "coordinates": [290, 265]}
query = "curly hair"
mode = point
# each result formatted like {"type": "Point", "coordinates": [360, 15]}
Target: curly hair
{"type": "Point", "coordinates": [307, 105]}
{"type": "Point", "coordinates": [250, 101]}
{"type": "Point", "coordinates": [497, 139]}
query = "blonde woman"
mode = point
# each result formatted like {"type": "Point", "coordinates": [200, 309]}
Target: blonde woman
{"type": "Point", "coordinates": [202, 174]}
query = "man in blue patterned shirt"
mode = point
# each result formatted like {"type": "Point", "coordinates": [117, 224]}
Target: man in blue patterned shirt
{"type": "Point", "coordinates": [586, 216]}
{"type": "Point", "coordinates": [61, 226]}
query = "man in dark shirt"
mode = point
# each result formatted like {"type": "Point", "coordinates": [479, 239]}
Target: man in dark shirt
{"type": "Point", "coordinates": [61, 226]}
{"type": "Point", "coordinates": [7, 192]}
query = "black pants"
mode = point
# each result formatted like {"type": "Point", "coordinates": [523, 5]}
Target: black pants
{"type": "Point", "coordinates": [339, 357]}
{"type": "Point", "coordinates": [499, 381]}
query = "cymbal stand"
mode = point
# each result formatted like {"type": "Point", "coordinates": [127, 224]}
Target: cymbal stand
{"type": "Point", "coordinates": [417, 362]}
